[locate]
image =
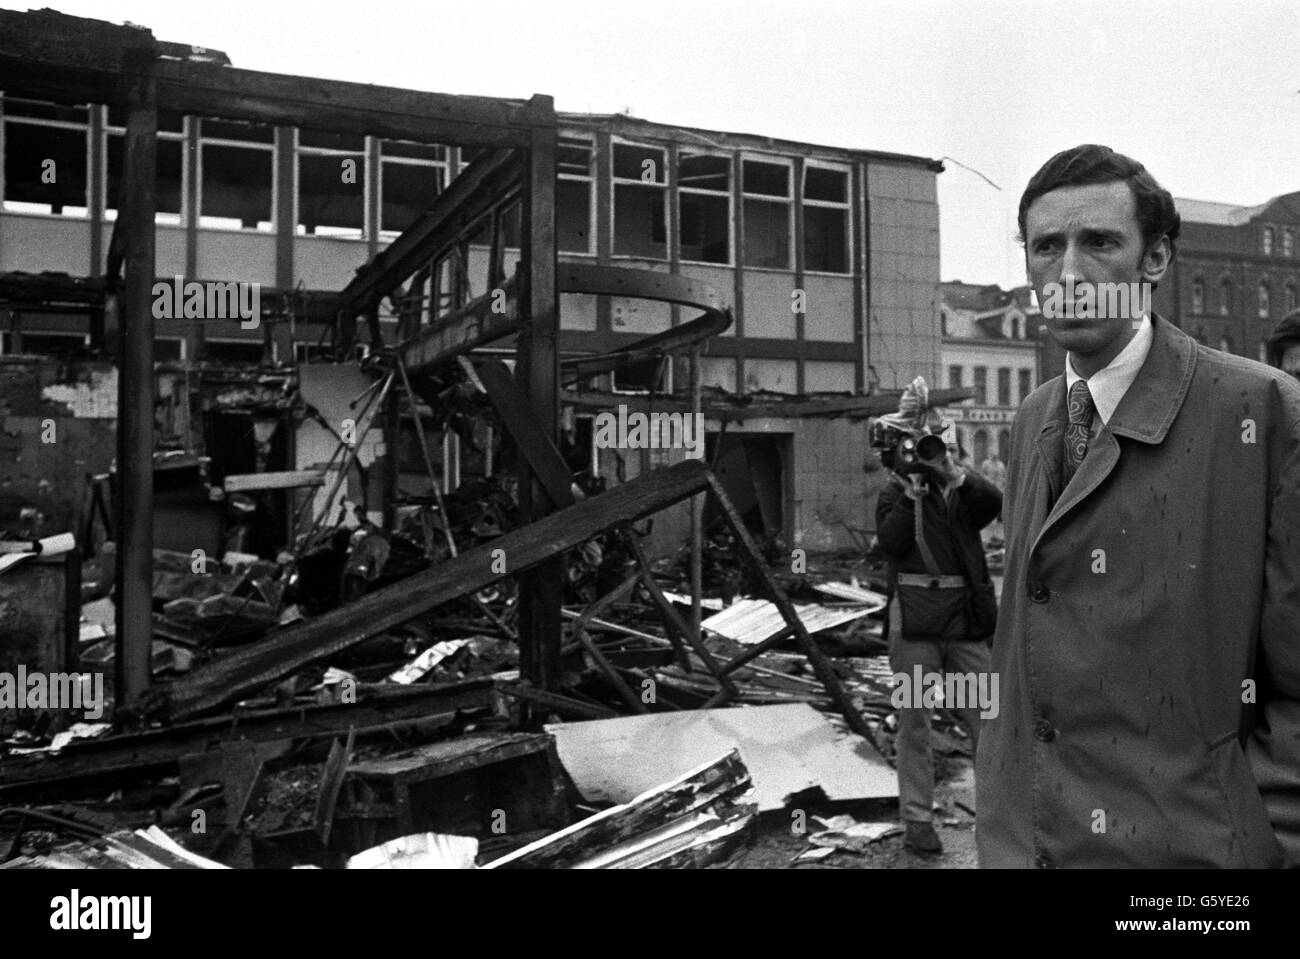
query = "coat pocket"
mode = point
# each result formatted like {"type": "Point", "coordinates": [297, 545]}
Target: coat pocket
{"type": "Point", "coordinates": [1254, 845]}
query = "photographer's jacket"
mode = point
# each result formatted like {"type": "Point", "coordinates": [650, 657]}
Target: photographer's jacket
{"type": "Point", "coordinates": [951, 526]}
{"type": "Point", "coordinates": [1131, 611]}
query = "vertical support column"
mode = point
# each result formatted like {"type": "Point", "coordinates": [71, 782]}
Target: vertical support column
{"type": "Point", "coordinates": [135, 387]}
{"type": "Point", "coordinates": [190, 217]}
{"type": "Point", "coordinates": [285, 165]}
{"type": "Point", "coordinates": [697, 506]}
{"type": "Point", "coordinates": [800, 327]}
{"type": "Point", "coordinates": [538, 373]}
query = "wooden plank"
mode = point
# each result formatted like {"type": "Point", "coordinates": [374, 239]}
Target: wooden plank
{"type": "Point", "coordinates": [528, 431]}
{"type": "Point", "coordinates": [328, 634]}
{"type": "Point", "coordinates": [279, 479]}
{"type": "Point", "coordinates": [480, 321]}
{"type": "Point", "coordinates": [160, 747]}
{"type": "Point", "coordinates": [875, 405]}
{"type": "Point", "coordinates": [346, 107]}
{"type": "Point", "coordinates": [537, 354]}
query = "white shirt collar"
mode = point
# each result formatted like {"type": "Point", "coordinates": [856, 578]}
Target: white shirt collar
{"type": "Point", "coordinates": [1109, 385]}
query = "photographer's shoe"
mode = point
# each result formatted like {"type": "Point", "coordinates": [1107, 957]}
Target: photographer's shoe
{"type": "Point", "coordinates": [921, 837]}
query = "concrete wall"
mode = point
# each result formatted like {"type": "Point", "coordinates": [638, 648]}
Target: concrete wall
{"type": "Point", "coordinates": [904, 264]}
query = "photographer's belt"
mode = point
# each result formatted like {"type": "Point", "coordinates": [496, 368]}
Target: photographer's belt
{"type": "Point", "coordinates": [926, 581]}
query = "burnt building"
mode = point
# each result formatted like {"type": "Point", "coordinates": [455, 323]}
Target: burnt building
{"type": "Point", "coordinates": [826, 256]}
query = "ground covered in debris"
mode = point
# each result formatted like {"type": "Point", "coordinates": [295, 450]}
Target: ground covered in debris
{"type": "Point", "coordinates": [382, 755]}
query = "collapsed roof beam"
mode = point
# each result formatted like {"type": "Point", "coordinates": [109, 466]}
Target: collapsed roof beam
{"type": "Point", "coordinates": [488, 182]}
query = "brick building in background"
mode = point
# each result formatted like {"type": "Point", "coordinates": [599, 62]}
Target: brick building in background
{"type": "Point", "coordinates": [1237, 272]}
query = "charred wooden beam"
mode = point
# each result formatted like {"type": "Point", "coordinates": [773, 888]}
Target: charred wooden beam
{"type": "Point", "coordinates": [159, 747]}
{"type": "Point", "coordinates": [482, 320]}
{"type": "Point", "coordinates": [487, 183]}
{"type": "Point", "coordinates": [529, 434]}
{"type": "Point", "coordinates": [877, 404]}
{"type": "Point", "coordinates": [520, 550]}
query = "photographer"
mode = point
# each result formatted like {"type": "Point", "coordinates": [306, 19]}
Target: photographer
{"type": "Point", "coordinates": [942, 612]}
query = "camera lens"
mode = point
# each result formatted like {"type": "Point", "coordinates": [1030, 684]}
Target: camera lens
{"type": "Point", "coordinates": [931, 448]}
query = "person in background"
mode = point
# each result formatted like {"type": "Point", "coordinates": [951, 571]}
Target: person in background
{"type": "Point", "coordinates": [954, 504]}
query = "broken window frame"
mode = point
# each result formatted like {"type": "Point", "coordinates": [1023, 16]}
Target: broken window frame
{"type": "Point", "coordinates": [386, 159]}
{"type": "Point", "coordinates": [7, 338]}
{"type": "Point", "coordinates": [160, 218]}
{"type": "Point", "coordinates": [726, 193]}
{"type": "Point", "coordinates": [27, 208]}
{"type": "Point", "coordinates": [787, 201]}
{"type": "Point", "coordinates": [207, 222]}
{"type": "Point", "coordinates": [846, 206]}
{"type": "Point", "coordinates": [589, 178]}
{"type": "Point", "coordinates": [362, 184]}
{"type": "Point", "coordinates": [181, 343]}
{"type": "Point", "coordinates": [660, 184]}
{"type": "Point", "coordinates": [236, 341]}
{"type": "Point", "coordinates": [663, 377]}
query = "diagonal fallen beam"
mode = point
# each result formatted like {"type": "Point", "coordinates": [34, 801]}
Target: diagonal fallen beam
{"type": "Point", "coordinates": [317, 639]}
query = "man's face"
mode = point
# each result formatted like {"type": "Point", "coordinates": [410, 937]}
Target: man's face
{"type": "Point", "coordinates": [1291, 360]}
{"type": "Point", "coordinates": [1090, 234]}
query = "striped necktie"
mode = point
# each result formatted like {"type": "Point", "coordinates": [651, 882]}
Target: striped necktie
{"type": "Point", "coordinates": [1079, 408]}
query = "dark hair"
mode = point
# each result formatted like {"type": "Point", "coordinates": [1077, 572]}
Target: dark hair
{"type": "Point", "coordinates": [1089, 163]}
{"type": "Point", "coordinates": [1286, 334]}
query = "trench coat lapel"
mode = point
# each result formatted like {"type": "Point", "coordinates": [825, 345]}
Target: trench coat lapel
{"type": "Point", "coordinates": [1145, 414]}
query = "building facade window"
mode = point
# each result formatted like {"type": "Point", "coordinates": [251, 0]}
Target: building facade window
{"type": "Point", "coordinates": [981, 444]}
{"type": "Point", "coordinates": [1198, 296]}
{"type": "Point", "coordinates": [1263, 351]}
{"type": "Point", "coordinates": [1225, 297]}
{"type": "Point", "coordinates": [331, 198]}
{"type": "Point", "coordinates": [1226, 344]}
{"type": "Point", "coordinates": [170, 173]}
{"type": "Point", "coordinates": [411, 175]}
{"type": "Point", "coordinates": [768, 207]}
{"type": "Point", "coordinates": [1291, 299]}
{"type": "Point", "coordinates": [575, 213]}
{"type": "Point", "coordinates": [954, 377]}
{"type": "Point", "coordinates": [1004, 386]}
{"type": "Point", "coordinates": [640, 185]}
{"type": "Point", "coordinates": [982, 386]}
{"type": "Point", "coordinates": [1004, 445]}
{"type": "Point", "coordinates": [704, 207]}
{"type": "Point", "coordinates": [1288, 243]}
{"type": "Point", "coordinates": [826, 219]}
{"type": "Point", "coordinates": [46, 159]}
{"type": "Point", "coordinates": [1026, 383]}
{"type": "Point", "coordinates": [1263, 301]}
{"type": "Point", "coordinates": [236, 175]}
{"type": "Point", "coordinates": [1268, 241]}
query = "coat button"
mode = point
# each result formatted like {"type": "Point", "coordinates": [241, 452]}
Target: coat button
{"type": "Point", "coordinates": [1038, 593]}
{"type": "Point", "coordinates": [1043, 731]}
{"type": "Point", "coordinates": [1043, 860]}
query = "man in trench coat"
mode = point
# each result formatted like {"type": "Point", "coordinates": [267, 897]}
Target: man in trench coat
{"type": "Point", "coordinates": [1148, 643]}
